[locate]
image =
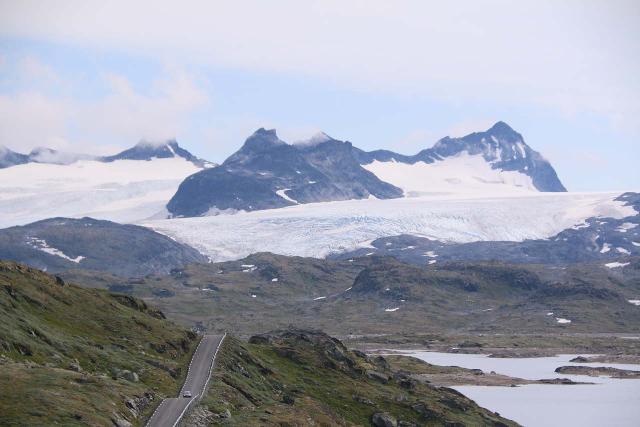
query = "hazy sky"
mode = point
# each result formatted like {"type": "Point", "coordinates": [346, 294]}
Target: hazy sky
{"type": "Point", "coordinates": [99, 76]}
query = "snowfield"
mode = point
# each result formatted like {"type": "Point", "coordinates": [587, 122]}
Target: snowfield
{"type": "Point", "coordinates": [121, 191]}
{"type": "Point", "coordinates": [319, 229]}
{"type": "Point", "coordinates": [461, 174]}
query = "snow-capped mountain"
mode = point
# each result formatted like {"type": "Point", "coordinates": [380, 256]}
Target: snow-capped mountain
{"type": "Point", "coordinates": [127, 187]}
{"type": "Point", "coordinates": [495, 161]}
{"type": "Point", "coordinates": [146, 150]}
{"type": "Point", "coordinates": [268, 173]}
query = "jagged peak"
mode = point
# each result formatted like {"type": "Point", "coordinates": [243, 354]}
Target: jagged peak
{"type": "Point", "coordinates": [263, 138]}
{"type": "Point", "coordinates": [500, 127]}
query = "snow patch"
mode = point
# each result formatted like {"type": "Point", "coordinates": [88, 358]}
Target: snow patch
{"type": "Point", "coordinates": [562, 321]}
{"type": "Point", "coordinates": [623, 251]}
{"type": "Point", "coordinates": [616, 264]}
{"type": "Point", "coordinates": [605, 248]}
{"type": "Point", "coordinates": [626, 227]}
{"type": "Point", "coordinates": [41, 245]}
{"type": "Point", "coordinates": [319, 298]}
{"type": "Point", "coordinates": [283, 193]}
{"type": "Point", "coordinates": [635, 301]}
{"type": "Point", "coordinates": [392, 309]}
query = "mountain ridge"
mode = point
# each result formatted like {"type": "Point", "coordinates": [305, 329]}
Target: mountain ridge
{"type": "Point", "coordinates": [267, 173]}
{"type": "Point", "coordinates": [143, 150]}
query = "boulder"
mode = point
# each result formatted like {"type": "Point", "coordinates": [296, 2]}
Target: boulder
{"type": "Point", "coordinates": [382, 419]}
{"type": "Point", "coordinates": [378, 376]}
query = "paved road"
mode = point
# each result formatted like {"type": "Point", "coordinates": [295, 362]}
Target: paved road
{"type": "Point", "coordinates": [171, 410]}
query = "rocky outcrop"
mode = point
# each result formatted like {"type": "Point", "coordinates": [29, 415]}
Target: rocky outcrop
{"type": "Point", "coordinates": [601, 371]}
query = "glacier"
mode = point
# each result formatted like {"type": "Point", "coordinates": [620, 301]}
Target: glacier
{"type": "Point", "coordinates": [121, 191]}
{"type": "Point", "coordinates": [320, 229]}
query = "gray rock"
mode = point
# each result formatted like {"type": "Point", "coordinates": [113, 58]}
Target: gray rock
{"type": "Point", "coordinates": [119, 421]}
{"type": "Point", "coordinates": [378, 376]}
{"type": "Point", "coordinates": [382, 419]}
{"type": "Point", "coordinates": [75, 366]}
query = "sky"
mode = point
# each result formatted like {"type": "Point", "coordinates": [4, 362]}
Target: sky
{"type": "Point", "coordinates": [97, 77]}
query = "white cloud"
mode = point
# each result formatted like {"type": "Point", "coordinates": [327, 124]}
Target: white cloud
{"type": "Point", "coordinates": [571, 56]}
{"type": "Point", "coordinates": [130, 115]}
{"type": "Point", "coordinates": [124, 115]}
{"type": "Point", "coordinates": [30, 119]}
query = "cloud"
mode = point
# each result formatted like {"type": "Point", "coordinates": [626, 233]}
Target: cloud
{"type": "Point", "coordinates": [127, 114]}
{"type": "Point", "coordinates": [30, 119]}
{"type": "Point", "coordinates": [123, 115]}
{"type": "Point", "coordinates": [571, 56]}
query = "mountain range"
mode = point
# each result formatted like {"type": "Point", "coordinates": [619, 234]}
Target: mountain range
{"type": "Point", "coordinates": [268, 173]}
{"type": "Point", "coordinates": [165, 180]}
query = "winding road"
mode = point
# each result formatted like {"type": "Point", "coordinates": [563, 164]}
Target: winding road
{"type": "Point", "coordinates": [171, 410]}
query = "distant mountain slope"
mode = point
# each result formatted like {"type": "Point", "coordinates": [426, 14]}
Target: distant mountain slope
{"type": "Point", "coordinates": [496, 160]}
{"type": "Point", "coordinates": [59, 244]}
{"type": "Point", "coordinates": [145, 150]}
{"type": "Point", "coordinates": [73, 356]}
{"type": "Point", "coordinates": [10, 158]}
{"type": "Point", "coordinates": [268, 173]}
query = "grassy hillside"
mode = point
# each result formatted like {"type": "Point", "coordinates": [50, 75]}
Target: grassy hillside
{"type": "Point", "coordinates": [76, 356]}
{"type": "Point", "coordinates": [298, 377]}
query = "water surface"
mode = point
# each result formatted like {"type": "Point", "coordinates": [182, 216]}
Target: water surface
{"type": "Point", "coordinates": [609, 402]}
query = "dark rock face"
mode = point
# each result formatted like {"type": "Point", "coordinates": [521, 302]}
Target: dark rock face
{"type": "Point", "coordinates": [11, 158]}
{"type": "Point", "coordinates": [60, 244]}
{"type": "Point", "coordinates": [598, 239]}
{"type": "Point", "coordinates": [268, 173]}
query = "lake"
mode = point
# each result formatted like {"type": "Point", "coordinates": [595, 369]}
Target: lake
{"type": "Point", "coordinates": [609, 402]}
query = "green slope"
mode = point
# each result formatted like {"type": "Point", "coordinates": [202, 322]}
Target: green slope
{"type": "Point", "coordinates": [300, 377]}
{"type": "Point", "coordinates": [76, 356]}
